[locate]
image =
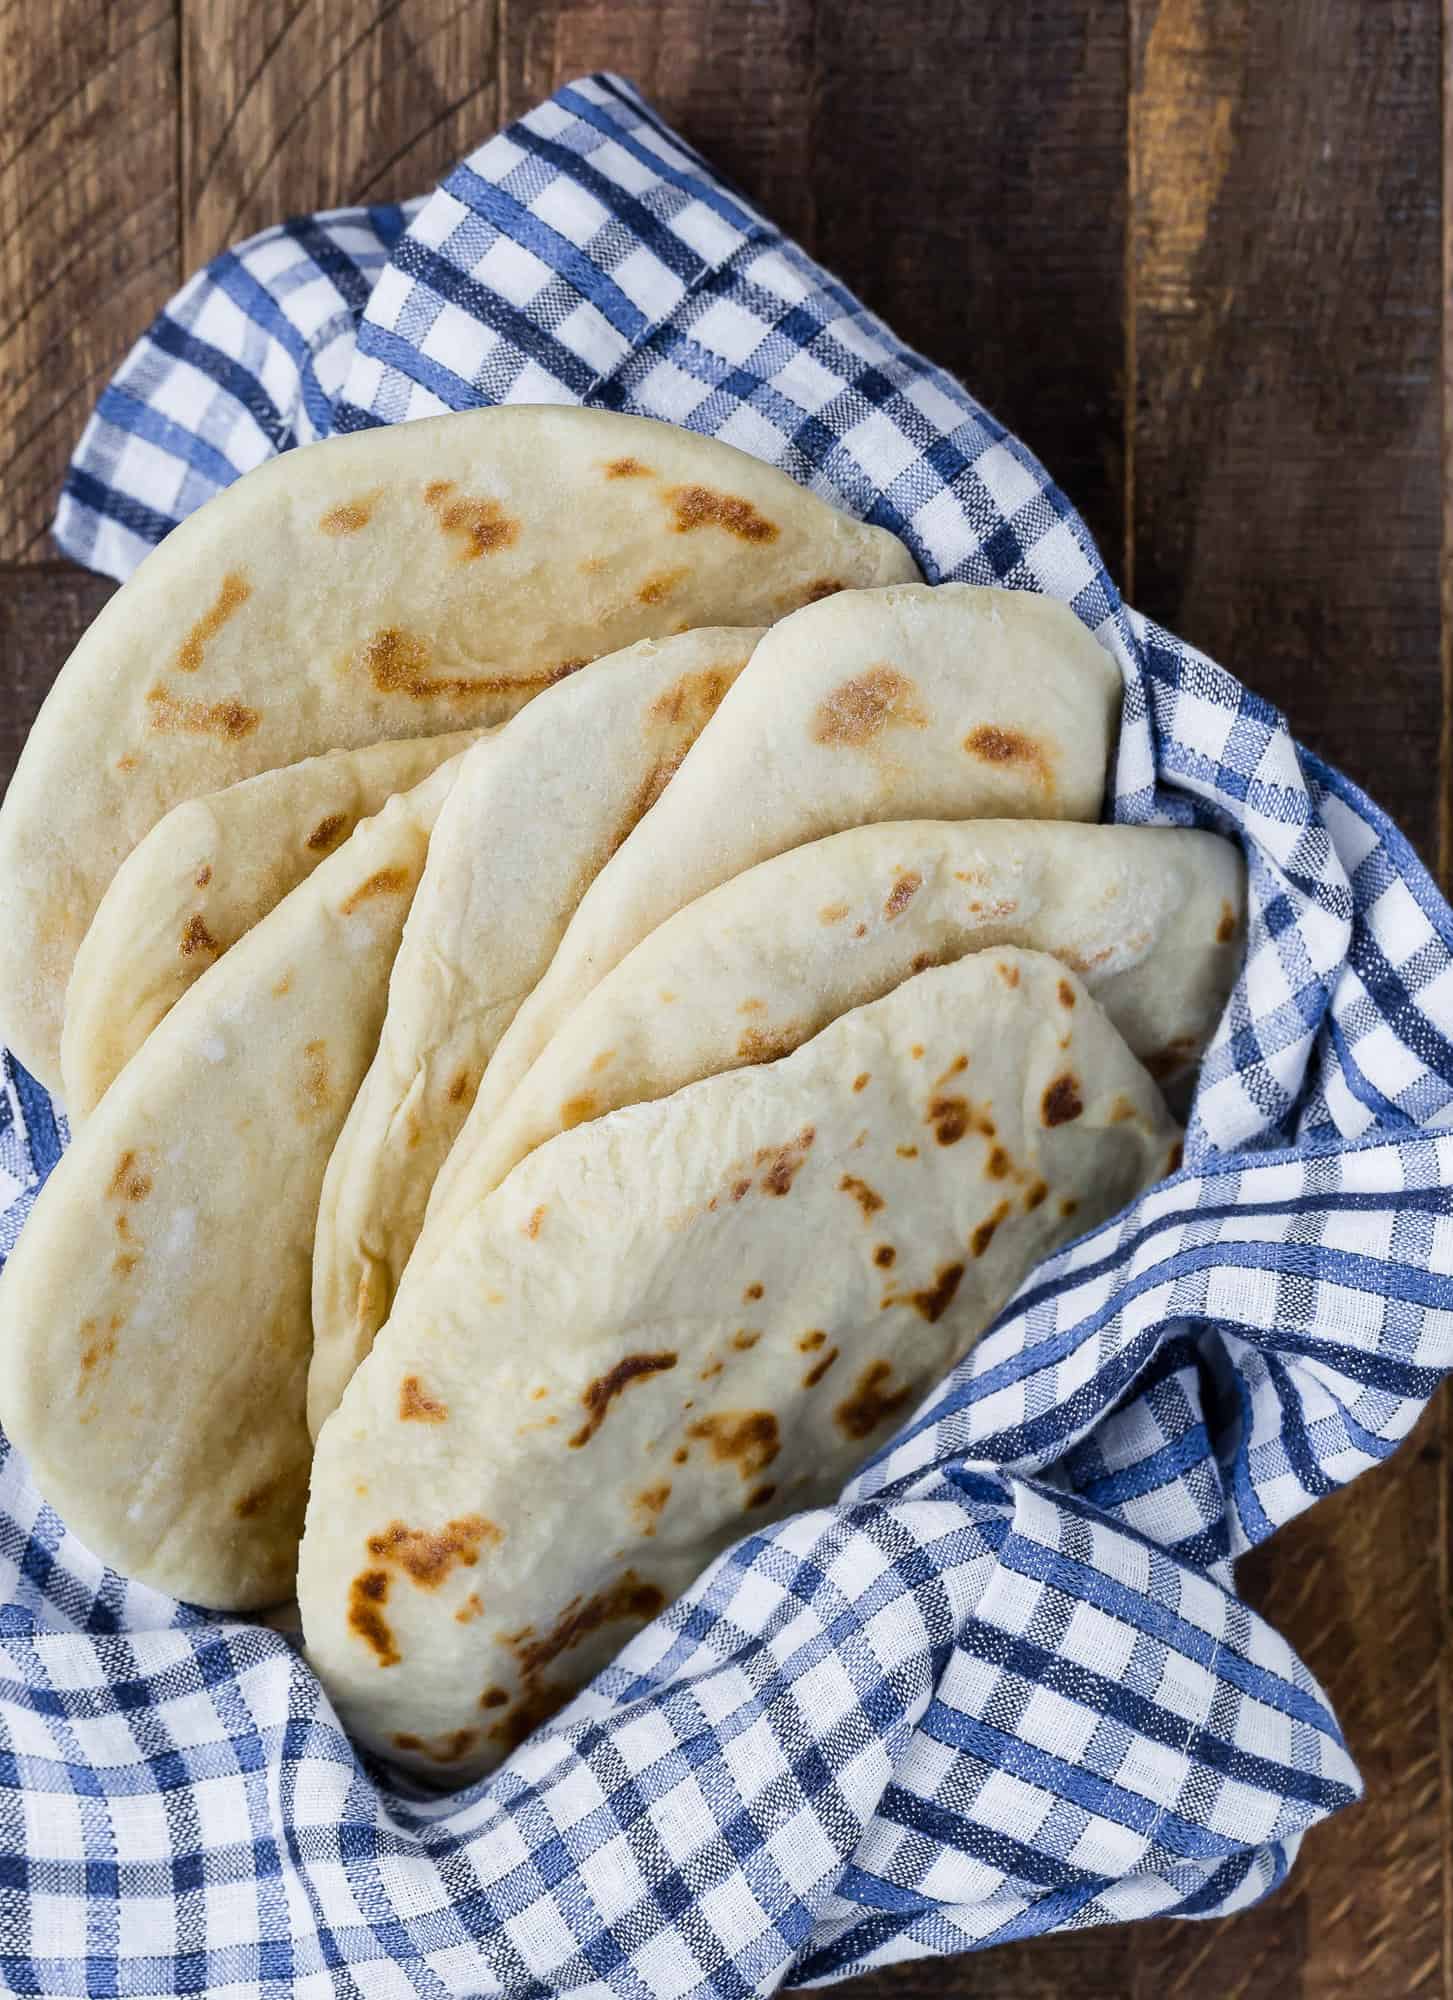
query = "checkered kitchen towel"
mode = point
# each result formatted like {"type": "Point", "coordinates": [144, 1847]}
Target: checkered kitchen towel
{"type": "Point", "coordinates": [1005, 1685]}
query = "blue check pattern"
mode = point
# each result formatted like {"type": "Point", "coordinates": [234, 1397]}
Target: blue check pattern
{"type": "Point", "coordinates": [1005, 1685]}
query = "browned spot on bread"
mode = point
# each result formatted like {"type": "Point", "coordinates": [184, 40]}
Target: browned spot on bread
{"type": "Point", "coordinates": [753, 1007]}
{"type": "Point", "coordinates": [351, 516]}
{"type": "Point", "coordinates": [537, 1216]}
{"type": "Point", "coordinates": [481, 525]}
{"type": "Point", "coordinates": [439, 1749]}
{"type": "Point", "coordinates": [998, 1166]}
{"type": "Point", "coordinates": [426, 1555]}
{"type": "Point", "coordinates": [1170, 1060]}
{"type": "Point", "coordinates": [577, 1110]}
{"type": "Point", "coordinates": [649, 1504]}
{"type": "Point", "coordinates": [748, 1439]}
{"type": "Point", "coordinates": [763, 1045]}
{"type": "Point", "coordinates": [313, 1087]}
{"type": "Point", "coordinates": [327, 833]}
{"type": "Point", "coordinates": [885, 1256]}
{"type": "Point", "coordinates": [832, 913]}
{"type": "Point", "coordinates": [1008, 973]}
{"type": "Point", "coordinates": [604, 1390]}
{"type": "Point", "coordinates": [494, 1697]}
{"type": "Point", "coordinates": [99, 1346]}
{"type": "Point", "coordinates": [819, 1368]}
{"type": "Point", "coordinates": [908, 1152]}
{"type": "Point", "coordinates": [536, 1706]}
{"type": "Point", "coordinates": [983, 1236]}
{"type": "Point", "coordinates": [871, 1402]}
{"type": "Point", "coordinates": [742, 1188]}
{"type": "Point", "coordinates": [823, 586]}
{"type": "Point", "coordinates": [811, 1340]}
{"type": "Point", "coordinates": [746, 1337]}
{"type": "Point", "coordinates": [949, 1117]}
{"type": "Point", "coordinates": [1226, 929]}
{"type": "Point", "coordinates": [761, 1496]}
{"type": "Point", "coordinates": [627, 468]}
{"type": "Point", "coordinates": [417, 1406]}
{"type": "Point", "coordinates": [860, 930]}
{"type": "Point", "coordinates": [917, 1052]}
{"type": "Point", "coordinates": [711, 1370]}
{"type": "Point", "coordinates": [698, 507]}
{"type": "Point", "coordinates": [231, 597]}
{"type": "Point", "coordinates": [127, 763]}
{"type": "Point", "coordinates": [196, 937]}
{"type": "Point", "coordinates": [861, 1081]}
{"type": "Point", "coordinates": [383, 882]}
{"type": "Point", "coordinates": [128, 1182]}
{"type": "Point", "coordinates": [252, 1503]}
{"type": "Point", "coordinates": [1175, 1157]}
{"type": "Point", "coordinates": [367, 1594]}
{"type": "Point", "coordinates": [228, 719]}
{"type": "Point", "coordinates": [782, 1162]}
{"type": "Point", "coordinates": [630, 1596]}
{"type": "Point", "coordinates": [1121, 1110]}
{"type": "Point", "coordinates": [397, 663]}
{"type": "Point", "coordinates": [1066, 994]}
{"type": "Point", "coordinates": [993, 745]}
{"type": "Point", "coordinates": [203, 875]}
{"type": "Point", "coordinates": [753, 1291]}
{"type": "Point", "coordinates": [656, 589]}
{"type": "Point", "coordinates": [864, 706]}
{"type": "Point", "coordinates": [125, 1261]}
{"type": "Point", "coordinates": [931, 1302]}
{"type": "Point", "coordinates": [680, 1455]}
{"type": "Point", "coordinates": [902, 893]}
{"type": "Point", "coordinates": [469, 1610]}
{"type": "Point", "coordinates": [1035, 1195]}
{"type": "Point", "coordinates": [1069, 1206]}
{"type": "Point", "coordinates": [283, 986]}
{"type": "Point", "coordinates": [1062, 1101]}
{"type": "Point", "coordinates": [867, 1198]}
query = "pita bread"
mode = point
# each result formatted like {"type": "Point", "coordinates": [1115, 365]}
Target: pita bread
{"type": "Point", "coordinates": [627, 1356]}
{"type": "Point", "coordinates": [1152, 918]}
{"type": "Point", "coordinates": [201, 879]}
{"type": "Point", "coordinates": [904, 703]}
{"type": "Point", "coordinates": [534, 813]}
{"type": "Point", "coordinates": [156, 1305]}
{"type": "Point", "coordinates": [408, 580]}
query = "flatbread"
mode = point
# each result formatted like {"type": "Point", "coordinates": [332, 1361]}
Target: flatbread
{"type": "Point", "coordinates": [407, 580]}
{"type": "Point", "coordinates": [153, 1370]}
{"type": "Point", "coordinates": [535, 812]}
{"type": "Point", "coordinates": [684, 1320]}
{"type": "Point", "coordinates": [1152, 918]}
{"type": "Point", "coordinates": [201, 879]}
{"type": "Point", "coordinates": [902, 703]}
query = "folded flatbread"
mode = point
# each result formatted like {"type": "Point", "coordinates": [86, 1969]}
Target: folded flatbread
{"type": "Point", "coordinates": [408, 580]}
{"type": "Point", "coordinates": [901, 703]}
{"type": "Point", "coordinates": [688, 1318]}
{"type": "Point", "coordinates": [535, 812]}
{"type": "Point", "coordinates": [201, 879]}
{"type": "Point", "coordinates": [155, 1308]}
{"type": "Point", "coordinates": [1152, 919]}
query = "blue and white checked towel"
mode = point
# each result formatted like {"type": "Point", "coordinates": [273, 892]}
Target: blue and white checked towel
{"type": "Point", "coordinates": [1005, 1685]}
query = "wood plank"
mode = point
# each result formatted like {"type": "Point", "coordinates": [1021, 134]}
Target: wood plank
{"type": "Point", "coordinates": [1283, 463]}
{"type": "Point", "coordinates": [1284, 450]}
{"type": "Point", "coordinates": [288, 108]}
{"type": "Point", "coordinates": [44, 608]}
{"type": "Point", "coordinates": [88, 227]}
{"type": "Point", "coordinates": [970, 183]}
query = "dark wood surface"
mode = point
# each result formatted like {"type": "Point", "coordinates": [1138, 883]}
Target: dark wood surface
{"type": "Point", "coordinates": [1194, 251]}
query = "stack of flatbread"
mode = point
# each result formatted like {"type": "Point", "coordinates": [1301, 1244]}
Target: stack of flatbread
{"type": "Point", "coordinates": [583, 987]}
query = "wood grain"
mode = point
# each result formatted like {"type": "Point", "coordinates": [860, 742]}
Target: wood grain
{"type": "Point", "coordinates": [88, 227]}
{"type": "Point", "coordinates": [44, 608]}
{"type": "Point", "coordinates": [293, 105]}
{"type": "Point", "coordinates": [1284, 452]}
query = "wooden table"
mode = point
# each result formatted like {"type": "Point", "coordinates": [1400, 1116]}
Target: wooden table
{"type": "Point", "coordinates": [1192, 250]}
